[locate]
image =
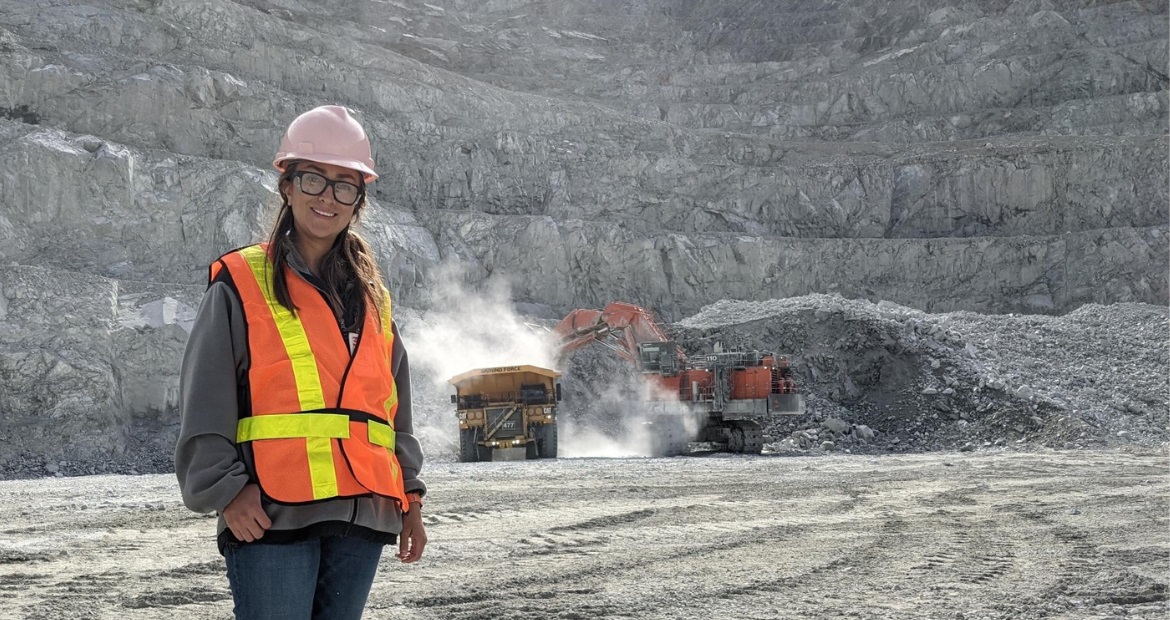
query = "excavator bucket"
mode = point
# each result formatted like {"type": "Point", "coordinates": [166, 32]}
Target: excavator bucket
{"type": "Point", "coordinates": [786, 404]}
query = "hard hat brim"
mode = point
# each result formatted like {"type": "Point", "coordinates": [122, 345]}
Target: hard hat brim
{"type": "Point", "coordinates": [368, 175]}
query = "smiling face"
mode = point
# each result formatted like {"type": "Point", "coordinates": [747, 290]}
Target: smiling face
{"type": "Point", "coordinates": [319, 219]}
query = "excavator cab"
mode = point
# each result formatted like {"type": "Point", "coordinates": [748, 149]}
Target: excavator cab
{"type": "Point", "coordinates": [658, 357]}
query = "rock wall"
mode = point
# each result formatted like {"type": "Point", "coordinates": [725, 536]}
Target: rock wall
{"type": "Point", "coordinates": [591, 264]}
{"type": "Point", "coordinates": [1005, 156]}
{"type": "Point", "coordinates": [89, 379]}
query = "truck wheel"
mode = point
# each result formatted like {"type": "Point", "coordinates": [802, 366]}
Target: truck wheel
{"type": "Point", "coordinates": [547, 441]}
{"type": "Point", "coordinates": [468, 452]}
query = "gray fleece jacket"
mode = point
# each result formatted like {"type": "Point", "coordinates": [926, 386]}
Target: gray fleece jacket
{"type": "Point", "coordinates": [212, 469]}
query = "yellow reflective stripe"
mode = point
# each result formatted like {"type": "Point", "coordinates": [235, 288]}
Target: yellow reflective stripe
{"type": "Point", "coordinates": [293, 425]}
{"type": "Point", "coordinates": [392, 400]}
{"type": "Point", "coordinates": [317, 429]}
{"type": "Point", "coordinates": [381, 434]}
{"type": "Point", "coordinates": [386, 314]}
{"type": "Point", "coordinates": [318, 448]}
{"type": "Point", "coordinates": [321, 472]}
{"type": "Point", "coordinates": [292, 333]}
{"type": "Point", "coordinates": [388, 332]}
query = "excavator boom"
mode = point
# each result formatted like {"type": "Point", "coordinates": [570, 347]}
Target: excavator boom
{"type": "Point", "coordinates": [620, 326]}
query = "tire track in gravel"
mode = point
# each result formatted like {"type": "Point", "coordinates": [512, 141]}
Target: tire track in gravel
{"type": "Point", "coordinates": [851, 557]}
{"type": "Point", "coordinates": [996, 536]}
{"type": "Point", "coordinates": [626, 548]}
{"type": "Point", "coordinates": [92, 569]}
{"type": "Point", "coordinates": [76, 593]}
{"type": "Point", "coordinates": [942, 550]}
{"type": "Point", "coordinates": [1114, 580]}
{"type": "Point", "coordinates": [193, 583]}
{"type": "Point", "coordinates": [940, 541]}
{"type": "Point", "coordinates": [1129, 582]}
{"type": "Point", "coordinates": [584, 552]}
{"type": "Point", "coordinates": [174, 597]}
{"type": "Point", "coordinates": [20, 582]}
{"type": "Point", "coordinates": [592, 554]}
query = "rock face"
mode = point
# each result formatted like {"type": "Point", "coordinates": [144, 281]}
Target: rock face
{"type": "Point", "coordinates": [995, 157]}
{"type": "Point", "coordinates": [90, 379]}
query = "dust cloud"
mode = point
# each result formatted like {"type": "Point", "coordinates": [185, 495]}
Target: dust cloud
{"type": "Point", "coordinates": [469, 327]}
{"type": "Point", "coordinates": [472, 326]}
{"type": "Point", "coordinates": [584, 441]}
{"type": "Point", "coordinates": [607, 426]}
{"type": "Point", "coordinates": [622, 417]}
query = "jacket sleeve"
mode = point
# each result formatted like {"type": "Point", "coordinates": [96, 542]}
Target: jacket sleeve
{"type": "Point", "coordinates": [207, 463]}
{"type": "Point", "coordinates": [406, 445]}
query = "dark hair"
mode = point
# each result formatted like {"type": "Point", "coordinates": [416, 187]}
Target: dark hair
{"type": "Point", "coordinates": [351, 257]}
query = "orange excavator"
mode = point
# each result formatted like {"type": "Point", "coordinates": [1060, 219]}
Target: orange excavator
{"type": "Point", "coordinates": [732, 394]}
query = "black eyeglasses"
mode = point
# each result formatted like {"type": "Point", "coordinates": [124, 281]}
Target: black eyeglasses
{"type": "Point", "coordinates": [314, 184]}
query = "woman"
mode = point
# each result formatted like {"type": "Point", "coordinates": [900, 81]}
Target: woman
{"type": "Point", "coordinates": [295, 395]}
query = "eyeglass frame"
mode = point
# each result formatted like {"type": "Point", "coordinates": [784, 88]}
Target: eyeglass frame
{"type": "Point", "coordinates": [330, 185]}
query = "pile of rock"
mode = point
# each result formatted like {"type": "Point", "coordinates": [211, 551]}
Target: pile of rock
{"type": "Point", "coordinates": [879, 377]}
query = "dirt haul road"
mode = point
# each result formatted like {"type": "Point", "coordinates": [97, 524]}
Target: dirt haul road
{"type": "Point", "coordinates": [963, 535]}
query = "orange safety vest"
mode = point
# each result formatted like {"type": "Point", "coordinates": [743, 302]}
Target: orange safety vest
{"type": "Point", "coordinates": [320, 421]}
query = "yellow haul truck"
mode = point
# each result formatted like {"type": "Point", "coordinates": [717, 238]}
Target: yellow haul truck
{"type": "Point", "coordinates": [505, 408]}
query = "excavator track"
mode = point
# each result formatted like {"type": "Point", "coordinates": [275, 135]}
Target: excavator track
{"type": "Point", "coordinates": [744, 437]}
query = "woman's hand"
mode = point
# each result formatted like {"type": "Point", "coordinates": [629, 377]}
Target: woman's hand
{"type": "Point", "coordinates": [245, 516]}
{"type": "Point", "coordinates": [413, 539]}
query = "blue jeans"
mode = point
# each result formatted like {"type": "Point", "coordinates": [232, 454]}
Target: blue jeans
{"type": "Point", "coordinates": [325, 578]}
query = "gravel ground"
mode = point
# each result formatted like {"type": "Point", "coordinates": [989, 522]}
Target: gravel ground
{"type": "Point", "coordinates": [973, 536]}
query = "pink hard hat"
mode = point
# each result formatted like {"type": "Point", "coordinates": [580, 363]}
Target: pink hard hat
{"type": "Point", "coordinates": [327, 135]}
